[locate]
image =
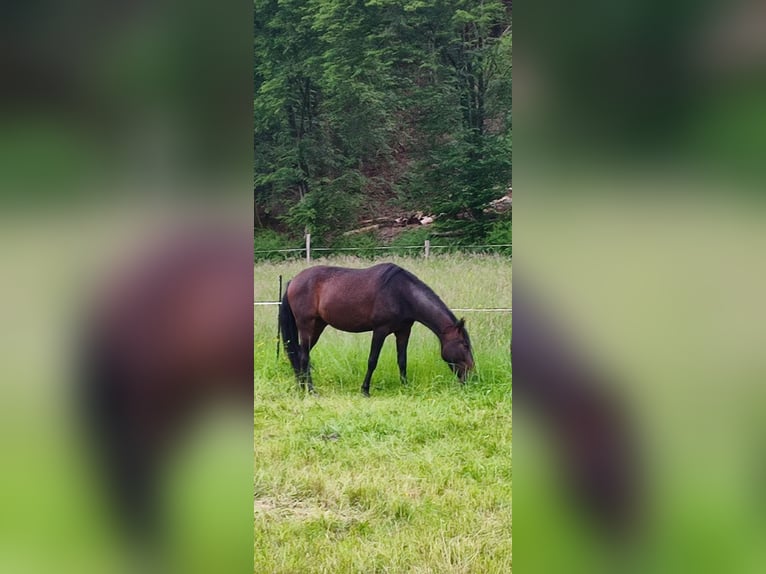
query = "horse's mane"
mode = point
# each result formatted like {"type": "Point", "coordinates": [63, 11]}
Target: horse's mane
{"type": "Point", "coordinates": [392, 271]}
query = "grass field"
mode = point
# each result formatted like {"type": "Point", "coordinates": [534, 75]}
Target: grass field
{"type": "Point", "coordinates": [413, 479]}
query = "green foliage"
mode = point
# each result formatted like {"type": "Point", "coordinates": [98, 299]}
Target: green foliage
{"type": "Point", "coordinates": [501, 233]}
{"type": "Point", "coordinates": [415, 236]}
{"type": "Point", "coordinates": [330, 207]}
{"type": "Point", "coordinates": [469, 174]}
{"type": "Point", "coordinates": [267, 242]}
{"type": "Point", "coordinates": [410, 98]}
{"type": "Point", "coordinates": [365, 243]}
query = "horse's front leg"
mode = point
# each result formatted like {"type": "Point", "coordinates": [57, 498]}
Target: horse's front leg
{"type": "Point", "coordinates": [377, 344]}
{"type": "Point", "coordinates": [402, 339]}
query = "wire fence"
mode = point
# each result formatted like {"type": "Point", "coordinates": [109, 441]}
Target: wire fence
{"type": "Point", "coordinates": [424, 250]}
{"type": "Point", "coordinates": [461, 309]}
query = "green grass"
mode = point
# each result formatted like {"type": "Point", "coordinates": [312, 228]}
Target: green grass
{"type": "Point", "coordinates": [413, 479]}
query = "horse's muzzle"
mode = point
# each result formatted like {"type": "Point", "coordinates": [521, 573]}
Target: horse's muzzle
{"type": "Point", "coordinates": [461, 370]}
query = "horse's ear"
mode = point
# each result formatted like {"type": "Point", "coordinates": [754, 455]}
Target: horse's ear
{"type": "Point", "coordinates": [461, 324]}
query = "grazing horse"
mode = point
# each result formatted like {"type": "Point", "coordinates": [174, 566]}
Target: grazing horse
{"type": "Point", "coordinates": [383, 299]}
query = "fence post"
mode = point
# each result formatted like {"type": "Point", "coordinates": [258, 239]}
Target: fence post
{"type": "Point", "coordinates": [280, 302]}
{"type": "Point", "coordinates": [308, 248]}
{"type": "Point", "coordinates": [428, 247]}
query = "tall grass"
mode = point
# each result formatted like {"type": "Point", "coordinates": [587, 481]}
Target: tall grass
{"type": "Point", "coordinates": [416, 478]}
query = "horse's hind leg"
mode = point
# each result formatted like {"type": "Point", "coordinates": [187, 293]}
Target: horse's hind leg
{"type": "Point", "coordinates": [402, 339]}
{"type": "Point", "coordinates": [377, 344]}
{"type": "Point", "coordinates": [304, 369]}
{"type": "Point", "coordinates": [309, 337]}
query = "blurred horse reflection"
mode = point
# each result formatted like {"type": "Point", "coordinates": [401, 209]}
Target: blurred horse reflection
{"type": "Point", "coordinates": [595, 441]}
{"type": "Point", "coordinates": [171, 333]}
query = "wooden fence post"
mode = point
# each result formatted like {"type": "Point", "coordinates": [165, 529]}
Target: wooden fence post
{"type": "Point", "coordinates": [280, 302]}
{"type": "Point", "coordinates": [308, 248]}
{"type": "Point", "coordinates": [428, 247]}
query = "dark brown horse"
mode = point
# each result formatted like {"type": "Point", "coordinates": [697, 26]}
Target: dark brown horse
{"type": "Point", "coordinates": [384, 299]}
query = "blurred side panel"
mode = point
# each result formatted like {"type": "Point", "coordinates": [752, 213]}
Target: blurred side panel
{"type": "Point", "coordinates": [639, 315]}
{"type": "Point", "coordinates": [126, 298]}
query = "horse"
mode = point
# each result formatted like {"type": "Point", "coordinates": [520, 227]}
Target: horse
{"type": "Point", "coordinates": [384, 299]}
{"type": "Point", "coordinates": [169, 333]}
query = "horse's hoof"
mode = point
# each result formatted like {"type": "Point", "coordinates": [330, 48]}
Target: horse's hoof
{"type": "Point", "coordinates": [366, 393]}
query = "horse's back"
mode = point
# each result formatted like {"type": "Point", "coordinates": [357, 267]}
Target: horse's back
{"type": "Point", "coordinates": [325, 271]}
{"type": "Point", "coordinates": [342, 278]}
{"type": "Point", "coordinates": [346, 298]}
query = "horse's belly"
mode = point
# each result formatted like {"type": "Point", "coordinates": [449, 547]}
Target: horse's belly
{"type": "Point", "coordinates": [352, 328]}
{"type": "Point", "coordinates": [352, 316]}
{"type": "Point", "coordinates": [349, 323]}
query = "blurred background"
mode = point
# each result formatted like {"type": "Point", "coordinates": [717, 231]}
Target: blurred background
{"type": "Point", "coordinates": [640, 233]}
{"type": "Point", "coordinates": [125, 172]}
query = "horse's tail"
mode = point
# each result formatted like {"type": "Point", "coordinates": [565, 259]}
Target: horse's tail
{"type": "Point", "coordinates": [289, 331]}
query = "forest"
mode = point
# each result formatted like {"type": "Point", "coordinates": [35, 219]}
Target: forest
{"type": "Point", "coordinates": [368, 109]}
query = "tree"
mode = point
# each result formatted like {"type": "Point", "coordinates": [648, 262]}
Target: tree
{"type": "Point", "coordinates": [351, 95]}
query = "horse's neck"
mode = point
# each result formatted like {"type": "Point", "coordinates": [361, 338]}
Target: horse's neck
{"type": "Point", "coordinates": [430, 311]}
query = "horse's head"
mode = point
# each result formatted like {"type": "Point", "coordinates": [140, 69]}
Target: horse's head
{"type": "Point", "coordinates": [456, 349]}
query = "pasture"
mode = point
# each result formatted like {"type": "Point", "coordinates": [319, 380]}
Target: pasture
{"type": "Point", "coordinates": [416, 478]}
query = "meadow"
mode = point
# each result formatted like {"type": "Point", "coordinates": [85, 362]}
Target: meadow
{"type": "Point", "coordinates": [417, 478]}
